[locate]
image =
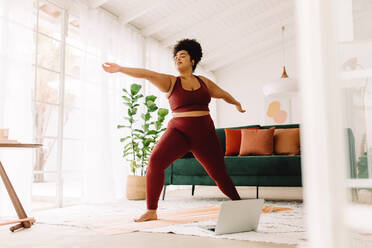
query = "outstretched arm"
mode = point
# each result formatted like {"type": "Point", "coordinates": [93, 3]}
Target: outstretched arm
{"type": "Point", "coordinates": [217, 92]}
{"type": "Point", "coordinates": [160, 80]}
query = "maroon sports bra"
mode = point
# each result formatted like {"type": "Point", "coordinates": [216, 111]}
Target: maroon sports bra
{"type": "Point", "coordinates": [181, 100]}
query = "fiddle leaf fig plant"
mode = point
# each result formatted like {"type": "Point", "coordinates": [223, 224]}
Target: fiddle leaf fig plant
{"type": "Point", "coordinates": [131, 145]}
{"type": "Point", "coordinates": [139, 144]}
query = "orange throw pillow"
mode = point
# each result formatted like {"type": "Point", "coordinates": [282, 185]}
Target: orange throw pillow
{"type": "Point", "coordinates": [287, 141]}
{"type": "Point", "coordinates": [257, 142]}
{"type": "Point", "coordinates": [233, 140]}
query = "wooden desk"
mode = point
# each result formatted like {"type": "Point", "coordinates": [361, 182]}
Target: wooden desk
{"type": "Point", "coordinates": [23, 221]}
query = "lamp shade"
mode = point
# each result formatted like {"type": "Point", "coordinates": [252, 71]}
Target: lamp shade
{"type": "Point", "coordinates": [283, 86]}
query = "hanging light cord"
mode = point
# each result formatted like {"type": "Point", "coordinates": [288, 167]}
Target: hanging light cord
{"type": "Point", "coordinates": [283, 29]}
{"type": "Point", "coordinates": [284, 74]}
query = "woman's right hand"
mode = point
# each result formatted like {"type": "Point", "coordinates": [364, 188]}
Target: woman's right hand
{"type": "Point", "coordinates": [111, 67]}
{"type": "Point", "coordinates": [239, 107]}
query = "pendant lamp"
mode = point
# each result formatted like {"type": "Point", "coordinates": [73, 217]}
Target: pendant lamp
{"type": "Point", "coordinates": [283, 86]}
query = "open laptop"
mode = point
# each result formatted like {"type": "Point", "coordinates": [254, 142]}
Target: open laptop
{"type": "Point", "coordinates": [238, 216]}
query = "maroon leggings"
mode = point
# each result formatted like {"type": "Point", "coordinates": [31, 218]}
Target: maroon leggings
{"type": "Point", "coordinates": [184, 134]}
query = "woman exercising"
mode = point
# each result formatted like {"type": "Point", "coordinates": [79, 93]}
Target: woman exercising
{"type": "Point", "coordinates": [190, 129]}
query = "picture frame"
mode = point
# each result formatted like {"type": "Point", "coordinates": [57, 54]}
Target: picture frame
{"type": "Point", "coordinates": [277, 110]}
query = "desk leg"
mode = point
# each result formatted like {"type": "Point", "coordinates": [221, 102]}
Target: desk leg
{"type": "Point", "coordinates": [14, 198]}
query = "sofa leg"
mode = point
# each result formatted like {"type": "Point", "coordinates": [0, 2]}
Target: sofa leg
{"type": "Point", "coordinates": [192, 190]}
{"type": "Point", "coordinates": [165, 187]}
{"type": "Point", "coordinates": [256, 192]}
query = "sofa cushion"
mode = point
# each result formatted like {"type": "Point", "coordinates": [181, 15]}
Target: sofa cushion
{"type": "Point", "coordinates": [257, 142]}
{"type": "Point", "coordinates": [188, 167]}
{"type": "Point", "coordinates": [241, 180]}
{"type": "Point", "coordinates": [221, 134]}
{"type": "Point", "coordinates": [278, 165]}
{"type": "Point", "coordinates": [287, 141]}
{"type": "Point", "coordinates": [233, 141]}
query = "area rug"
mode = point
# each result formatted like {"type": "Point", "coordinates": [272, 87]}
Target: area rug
{"type": "Point", "coordinates": [165, 218]}
{"type": "Point", "coordinates": [281, 222]}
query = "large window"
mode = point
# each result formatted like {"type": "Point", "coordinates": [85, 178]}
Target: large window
{"type": "Point", "coordinates": [57, 170]}
{"type": "Point", "coordinates": [356, 71]}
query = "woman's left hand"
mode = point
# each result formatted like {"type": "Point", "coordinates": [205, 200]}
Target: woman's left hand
{"type": "Point", "coordinates": [239, 107]}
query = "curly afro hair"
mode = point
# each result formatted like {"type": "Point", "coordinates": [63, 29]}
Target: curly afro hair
{"type": "Point", "coordinates": [192, 47]}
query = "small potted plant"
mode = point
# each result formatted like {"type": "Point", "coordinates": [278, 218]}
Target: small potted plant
{"type": "Point", "coordinates": [139, 144]}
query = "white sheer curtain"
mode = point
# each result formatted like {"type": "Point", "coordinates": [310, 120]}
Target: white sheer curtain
{"type": "Point", "coordinates": [16, 82]}
{"type": "Point", "coordinates": [105, 40]}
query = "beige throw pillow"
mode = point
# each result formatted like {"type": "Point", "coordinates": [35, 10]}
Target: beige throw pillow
{"type": "Point", "coordinates": [287, 141]}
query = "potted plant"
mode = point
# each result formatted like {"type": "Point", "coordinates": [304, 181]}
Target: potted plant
{"type": "Point", "coordinates": [139, 144]}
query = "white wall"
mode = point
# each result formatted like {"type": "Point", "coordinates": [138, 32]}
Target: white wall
{"type": "Point", "coordinates": [244, 81]}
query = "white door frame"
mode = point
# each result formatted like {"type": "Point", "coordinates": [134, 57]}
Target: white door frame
{"type": "Point", "coordinates": [324, 159]}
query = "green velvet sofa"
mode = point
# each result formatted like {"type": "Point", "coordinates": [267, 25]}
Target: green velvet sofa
{"type": "Point", "coordinates": [274, 170]}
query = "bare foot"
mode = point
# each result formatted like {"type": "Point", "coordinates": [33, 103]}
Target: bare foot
{"type": "Point", "coordinates": [149, 215]}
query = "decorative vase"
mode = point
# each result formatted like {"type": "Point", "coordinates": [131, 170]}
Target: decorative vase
{"type": "Point", "coordinates": [136, 187]}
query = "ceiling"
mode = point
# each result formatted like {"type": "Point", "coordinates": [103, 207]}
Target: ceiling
{"type": "Point", "coordinates": [228, 30]}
